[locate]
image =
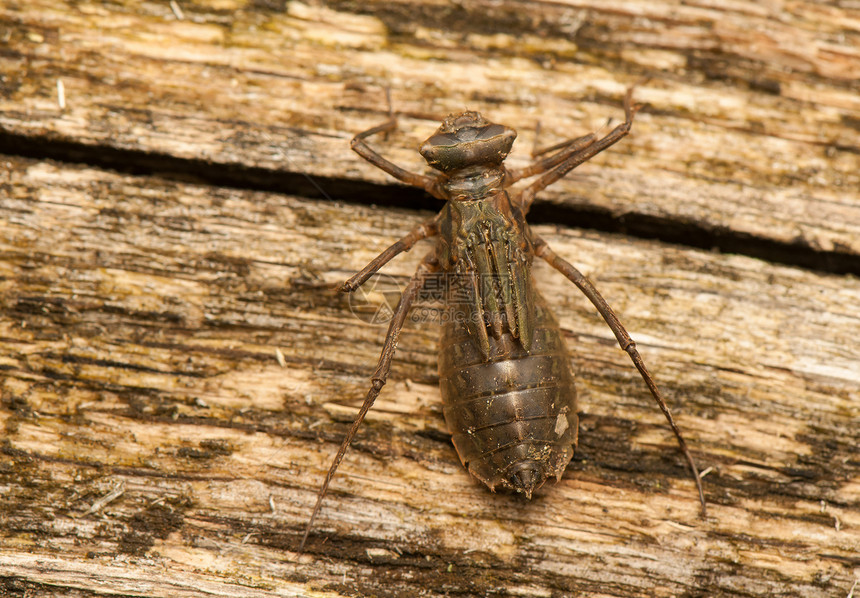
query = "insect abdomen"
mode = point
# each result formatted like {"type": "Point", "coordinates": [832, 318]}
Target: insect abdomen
{"type": "Point", "coordinates": [512, 415]}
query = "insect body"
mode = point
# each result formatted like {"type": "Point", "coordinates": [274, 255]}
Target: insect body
{"type": "Point", "coordinates": [505, 377]}
{"type": "Point", "coordinates": [507, 388]}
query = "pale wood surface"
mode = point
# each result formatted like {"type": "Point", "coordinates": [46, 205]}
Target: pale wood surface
{"type": "Point", "coordinates": [141, 329]}
{"type": "Point", "coordinates": [177, 346]}
{"type": "Point", "coordinates": [750, 124]}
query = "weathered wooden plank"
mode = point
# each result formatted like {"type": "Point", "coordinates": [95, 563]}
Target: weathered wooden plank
{"type": "Point", "coordinates": [748, 139]}
{"type": "Point", "coordinates": [141, 326]}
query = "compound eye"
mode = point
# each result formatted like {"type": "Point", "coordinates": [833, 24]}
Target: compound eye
{"type": "Point", "coordinates": [489, 132]}
{"type": "Point", "coordinates": [443, 140]}
{"type": "Point", "coordinates": [465, 135]}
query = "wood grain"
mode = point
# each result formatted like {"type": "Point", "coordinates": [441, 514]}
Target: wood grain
{"type": "Point", "coordinates": [141, 341]}
{"type": "Point", "coordinates": [750, 122]}
{"type": "Point", "coordinates": [177, 370]}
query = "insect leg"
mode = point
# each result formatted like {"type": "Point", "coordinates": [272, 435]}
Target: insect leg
{"type": "Point", "coordinates": [582, 155]}
{"type": "Point", "coordinates": [568, 148]}
{"type": "Point", "coordinates": [576, 277]}
{"type": "Point", "coordinates": [427, 266]}
{"type": "Point", "coordinates": [422, 231]}
{"type": "Point", "coordinates": [359, 146]}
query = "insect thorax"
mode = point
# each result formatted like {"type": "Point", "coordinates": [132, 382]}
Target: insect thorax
{"type": "Point", "coordinates": [484, 249]}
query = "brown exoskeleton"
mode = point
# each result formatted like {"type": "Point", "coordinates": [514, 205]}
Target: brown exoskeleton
{"type": "Point", "coordinates": [506, 383]}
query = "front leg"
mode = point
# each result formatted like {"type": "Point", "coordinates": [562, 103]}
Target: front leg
{"type": "Point", "coordinates": [564, 151]}
{"type": "Point", "coordinates": [359, 146]}
{"type": "Point", "coordinates": [582, 155]}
